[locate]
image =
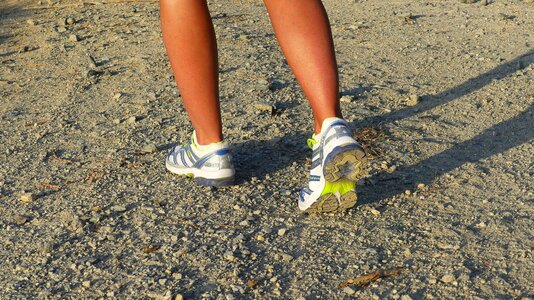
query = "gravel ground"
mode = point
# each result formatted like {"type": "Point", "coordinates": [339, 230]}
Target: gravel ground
{"type": "Point", "coordinates": [441, 93]}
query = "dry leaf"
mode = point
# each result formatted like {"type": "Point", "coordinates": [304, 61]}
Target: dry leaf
{"type": "Point", "coordinates": [135, 164]}
{"type": "Point", "coordinates": [151, 249]}
{"type": "Point", "coordinates": [47, 186]}
{"type": "Point", "coordinates": [252, 283]}
{"type": "Point", "coordinates": [367, 279]}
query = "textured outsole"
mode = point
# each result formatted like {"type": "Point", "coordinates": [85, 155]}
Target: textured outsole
{"type": "Point", "coordinates": [345, 162]}
{"type": "Point", "coordinates": [330, 203]}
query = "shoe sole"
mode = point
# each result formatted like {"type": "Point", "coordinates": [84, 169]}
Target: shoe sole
{"type": "Point", "coordinates": [345, 161]}
{"type": "Point", "coordinates": [330, 202]}
{"type": "Point", "coordinates": [343, 167]}
{"type": "Point", "coordinates": [200, 180]}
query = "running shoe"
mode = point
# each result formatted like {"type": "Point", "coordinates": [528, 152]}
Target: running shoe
{"type": "Point", "coordinates": [209, 165]}
{"type": "Point", "coordinates": [338, 161]}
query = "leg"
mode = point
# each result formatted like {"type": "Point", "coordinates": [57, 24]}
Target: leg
{"type": "Point", "coordinates": [189, 38]}
{"type": "Point", "coordinates": [303, 31]}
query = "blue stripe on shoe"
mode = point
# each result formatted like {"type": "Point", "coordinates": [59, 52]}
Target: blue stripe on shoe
{"type": "Point", "coordinates": [183, 158]}
{"type": "Point", "coordinates": [315, 163]}
{"type": "Point", "coordinates": [315, 178]}
{"type": "Point", "coordinates": [204, 159]}
{"type": "Point", "coordinates": [222, 152]}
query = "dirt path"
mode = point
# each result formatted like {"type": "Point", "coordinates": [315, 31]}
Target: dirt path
{"type": "Point", "coordinates": [441, 92]}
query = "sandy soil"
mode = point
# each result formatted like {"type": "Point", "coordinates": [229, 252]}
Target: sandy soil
{"type": "Point", "coordinates": [441, 93]}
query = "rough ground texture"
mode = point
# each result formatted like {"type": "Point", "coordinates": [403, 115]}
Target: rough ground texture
{"type": "Point", "coordinates": [441, 92]}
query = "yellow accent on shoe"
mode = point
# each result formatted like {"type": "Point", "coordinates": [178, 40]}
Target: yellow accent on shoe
{"type": "Point", "coordinates": [341, 186]}
{"type": "Point", "coordinates": [312, 141]}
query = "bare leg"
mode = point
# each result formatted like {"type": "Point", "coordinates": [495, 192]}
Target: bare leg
{"type": "Point", "coordinates": [189, 38]}
{"type": "Point", "coordinates": [303, 31]}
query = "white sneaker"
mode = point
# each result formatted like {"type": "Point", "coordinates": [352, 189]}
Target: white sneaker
{"type": "Point", "coordinates": [338, 161]}
{"type": "Point", "coordinates": [209, 165]}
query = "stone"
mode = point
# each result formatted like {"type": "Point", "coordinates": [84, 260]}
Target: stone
{"type": "Point", "coordinates": [413, 100]}
{"type": "Point", "coordinates": [287, 257]}
{"type": "Point", "coordinates": [132, 119]}
{"type": "Point", "coordinates": [118, 208]}
{"type": "Point", "coordinates": [375, 212]}
{"type": "Point", "coordinates": [229, 256]}
{"type": "Point", "coordinates": [346, 99]}
{"type": "Point", "coordinates": [265, 107]}
{"type": "Point", "coordinates": [73, 38]}
{"type": "Point", "coordinates": [405, 297]}
{"type": "Point", "coordinates": [20, 219]}
{"type": "Point", "coordinates": [149, 148]}
{"type": "Point", "coordinates": [70, 21]}
{"type": "Point", "coordinates": [86, 283]}
{"type": "Point", "coordinates": [179, 297]}
{"type": "Point", "coordinates": [447, 278]}
{"type": "Point", "coordinates": [30, 22]}
{"type": "Point", "coordinates": [282, 231]}
{"type": "Point", "coordinates": [28, 197]}
{"type": "Point", "coordinates": [348, 290]}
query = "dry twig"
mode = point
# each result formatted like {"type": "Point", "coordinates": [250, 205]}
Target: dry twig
{"type": "Point", "coordinates": [367, 279]}
{"type": "Point", "coordinates": [47, 186]}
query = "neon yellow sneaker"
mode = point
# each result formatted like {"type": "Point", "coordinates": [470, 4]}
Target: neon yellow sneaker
{"type": "Point", "coordinates": [338, 161]}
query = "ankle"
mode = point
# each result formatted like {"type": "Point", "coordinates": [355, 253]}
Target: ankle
{"type": "Point", "coordinates": [201, 139]}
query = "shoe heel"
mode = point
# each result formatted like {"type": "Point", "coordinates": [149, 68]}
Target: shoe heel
{"type": "Point", "coordinates": [345, 161]}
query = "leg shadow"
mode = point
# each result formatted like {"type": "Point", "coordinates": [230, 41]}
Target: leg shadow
{"type": "Point", "coordinates": [496, 139]}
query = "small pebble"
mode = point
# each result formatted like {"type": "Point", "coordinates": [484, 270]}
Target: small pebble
{"type": "Point", "coordinates": [229, 256]}
{"type": "Point", "coordinates": [28, 197]}
{"type": "Point", "coordinates": [20, 220]}
{"type": "Point", "coordinates": [132, 119]}
{"type": "Point", "coordinates": [118, 208]}
{"type": "Point", "coordinates": [413, 100]}
{"type": "Point", "coordinates": [346, 99]}
{"type": "Point", "coordinates": [447, 278]}
{"type": "Point", "coordinates": [375, 212]}
{"type": "Point", "coordinates": [86, 283]}
{"type": "Point", "coordinates": [348, 290]}
{"type": "Point", "coordinates": [73, 38]}
{"type": "Point", "coordinates": [149, 148]}
{"type": "Point", "coordinates": [265, 107]}
{"type": "Point", "coordinates": [282, 231]}
{"type": "Point", "coordinates": [30, 22]}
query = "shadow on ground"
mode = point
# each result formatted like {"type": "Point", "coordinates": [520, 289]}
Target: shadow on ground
{"type": "Point", "coordinates": [282, 152]}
